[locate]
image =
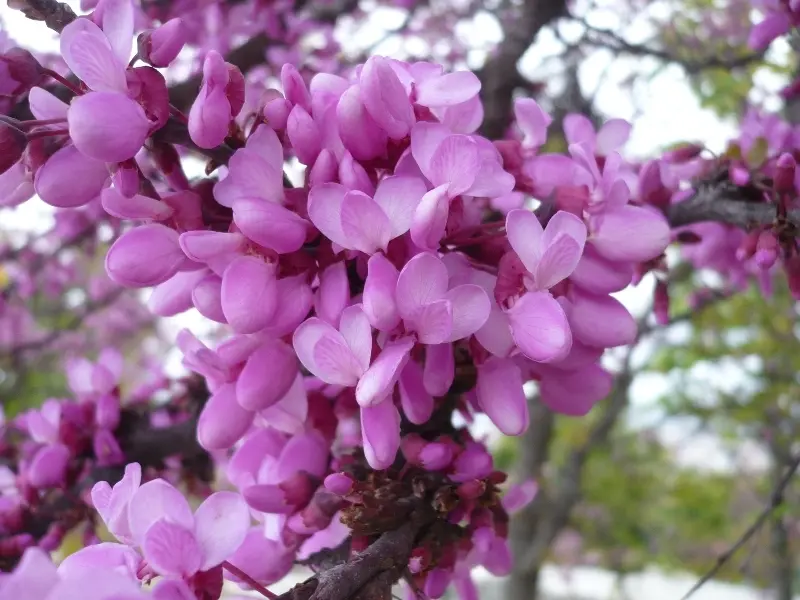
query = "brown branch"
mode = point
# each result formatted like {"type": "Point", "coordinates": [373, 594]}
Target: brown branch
{"type": "Point", "coordinates": [56, 15]}
{"type": "Point", "coordinates": [499, 76]}
{"type": "Point", "coordinates": [775, 501]}
{"type": "Point", "coordinates": [370, 574]}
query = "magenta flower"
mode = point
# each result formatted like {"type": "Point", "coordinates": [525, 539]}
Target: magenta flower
{"type": "Point", "coordinates": [162, 45]}
{"type": "Point", "coordinates": [220, 100]}
{"type": "Point", "coordinates": [145, 256]}
{"type": "Point", "coordinates": [112, 503]}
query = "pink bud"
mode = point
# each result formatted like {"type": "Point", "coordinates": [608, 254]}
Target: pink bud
{"type": "Point", "coordinates": [435, 456]}
{"type": "Point", "coordinates": [766, 250]}
{"type": "Point", "coordinates": [661, 303]}
{"type": "Point", "coordinates": [412, 446]}
{"type": "Point", "coordinates": [683, 153]}
{"type": "Point", "coordinates": [161, 46]}
{"type": "Point", "coordinates": [106, 412]}
{"type": "Point", "coordinates": [339, 483]}
{"type": "Point", "coordinates": [107, 449]}
{"type": "Point", "coordinates": [12, 145]}
{"type": "Point", "coordinates": [126, 179]}
{"type": "Point", "coordinates": [23, 68]}
{"type": "Point", "coordinates": [49, 467]}
{"type": "Point", "coordinates": [748, 246]}
{"type": "Point", "coordinates": [784, 174]}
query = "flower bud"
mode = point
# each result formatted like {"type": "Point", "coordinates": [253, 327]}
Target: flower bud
{"type": "Point", "coordinates": [766, 250]}
{"type": "Point", "coordinates": [49, 467]}
{"type": "Point", "coordinates": [683, 153]}
{"type": "Point", "coordinates": [661, 303]}
{"type": "Point", "coordinates": [23, 70]}
{"type": "Point", "coordinates": [159, 47]}
{"type": "Point", "coordinates": [748, 246]}
{"type": "Point", "coordinates": [784, 174]}
{"type": "Point", "coordinates": [339, 483]}
{"type": "Point", "coordinates": [12, 145]}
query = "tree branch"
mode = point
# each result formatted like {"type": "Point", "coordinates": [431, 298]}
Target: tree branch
{"type": "Point", "coordinates": [56, 15]}
{"type": "Point", "coordinates": [499, 76]}
{"type": "Point", "coordinates": [776, 500]}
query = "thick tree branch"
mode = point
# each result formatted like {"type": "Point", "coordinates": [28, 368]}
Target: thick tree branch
{"type": "Point", "coordinates": [499, 76]}
{"type": "Point", "coordinates": [56, 15]}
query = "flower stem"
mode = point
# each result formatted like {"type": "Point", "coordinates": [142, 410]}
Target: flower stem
{"type": "Point", "coordinates": [250, 581]}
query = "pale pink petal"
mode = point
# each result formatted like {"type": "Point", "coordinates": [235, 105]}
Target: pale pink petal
{"type": "Point", "coordinates": [294, 302]}
{"type": "Point", "coordinates": [433, 322]}
{"type": "Point", "coordinates": [85, 177]}
{"type": "Point", "coordinates": [364, 223]}
{"type": "Point", "coordinates": [289, 414]}
{"type": "Point", "coordinates": [471, 308]}
{"type": "Point", "coordinates": [325, 353]}
{"type": "Point", "coordinates": [304, 135]}
{"type": "Point", "coordinates": [89, 54]}
{"type": "Point", "coordinates": [423, 280]}
{"type": "Point", "coordinates": [202, 246]}
{"type": "Point", "coordinates": [532, 121]}
{"type": "Point", "coordinates": [490, 178]}
{"type": "Point", "coordinates": [558, 261]}
{"type": "Point", "coordinates": [462, 118]}
{"type": "Point", "coordinates": [356, 331]}
{"type": "Point", "coordinates": [539, 327]}
{"type": "Point", "coordinates": [135, 207]}
{"type": "Point", "coordinates": [579, 129]}
{"type": "Point", "coordinates": [378, 297]}
{"type": "Point", "coordinates": [425, 139]}
{"type": "Point", "coordinates": [353, 176]}
{"type": "Point", "coordinates": [107, 126]}
{"type": "Point", "coordinates": [325, 210]}
{"type": "Point", "coordinates": [430, 218]}
{"type": "Point", "coordinates": [118, 27]}
{"type": "Point", "coordinates": [440, 368]}
{"type": "Point", "coordinates": [612, 136]}
{"type": "Point", "coordinates": [399, 197]}
{"type": "Point", "coordinates": [172, 589]}
{"type": "Point", "coordinates": [249, 294]}
{"type": "Point", "coordinates": [270, 224]}
{"type": "Point", "coordinates": [265, 560]}
{"type": "Point", "coordinates": [549, 171]}
{"type": "Point", "coordinates": [519, 496]}
{"type": "Point", "coordinates": [631, 233]}
{"type": "Point", "coordinates": [223, 420]}
{"type": "Point", "coordinates": [359, 133]}
{"type": "Point", "coordinates": [525, 235]}
{"type": "Point", "coordinates": [48, 467]}
{"type": "Point", "coordinates": [207, 298]}
{"type": "Point", "coordinates": [171, 549]}
{"type": "Point", "coordinates": [380, 427]}
{"type": "Point", "coordinates": [385, 98]}
{"type": "Point", "coordinates": [378, 381]}
{"type": "Point", "coordinates": [455, 162]}
{"type": "Point", "coordinates": [333, 293]}
{"type": "Point", "coordinates": [267, 375]}
{"type": "Point", "coordinates": [45, 105]}
{"type": "Point", "coordinates": [156, 500]}
{"type": "Point", "coordinates": [417, 403]}
{"type": "Point", "coordinates": [501, 395]}
{"type": "Point", "coordinates": [145, 256]}
{"type": "Point", "coordinates": [599, 275]}
{"type": "Point", "coordinates": [448, 90]}
{"type": "Point", "coordinates": [221, 524]}
{"type": "Point", "coordinates": [34, 577]}
{"type": "Point", "coordinates": [307, 452]}
{"type": "Point", "coordinates": [330, 537]}
{"type": "Point", "coordinates": [268, 498]}
{"type": "Point", "coordinates": [105, 556]}
{"type": "Point", "coordinates": [575, 393]}
{"type": "Point", "coordinates": [601, 321]}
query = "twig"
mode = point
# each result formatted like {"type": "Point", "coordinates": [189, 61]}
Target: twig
{"type": "Point", "coordinates": [251, 582]}
{"type": "Point", "coordinates": [776, 499]}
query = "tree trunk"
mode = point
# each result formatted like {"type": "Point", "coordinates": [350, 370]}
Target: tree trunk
{"type": "Point", "coordinates": [523, 585]}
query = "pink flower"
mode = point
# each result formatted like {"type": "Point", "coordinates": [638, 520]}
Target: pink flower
{"type": "Point", "coordinates": [112, 503]}
{"type": "Point", "coordinates": [220, 100]}
{"type": "Point", "coordinates": [162, 45]}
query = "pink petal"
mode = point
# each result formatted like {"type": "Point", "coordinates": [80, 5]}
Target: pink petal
{"type": "Point", "coordinates": [289, 414]}
{"type": "Point", "coordinates": [436, 582]}
{"type": "Point", "coordinates": [501, 395]}
{"type": "Point", "coordinates": [325, 210]}
{"type": "Point", "coordinates": [221, 524]}
{"type": "Point", "coordinates": [118, 27]}
{"type": "Point", "coordinates": [265, 560]}
{"type": "Point", "coordinates": [333, 293]}
{"type": "Point", "coordinates": [166, 42]}
{"type": "Point", "coordinates": [45, 105]}
{"type": "Point", "coordinates": [107, 126]}
{"type": "Point", "coordinates": [267, 376]}
{"type": "Point", "coordinates": [385, 98]}
{"type": "Point", "coordinates": [399, 197]}
{"type": "Point", "coordinates": [380, 427]}
{"type": "Point", "coordinates": [294, 302]}
{"type": "Point", "coordinates": [455, 162]}
{"type": "Point", "coordinates": [325, 353]}
{"type": "Point", "coordinates": [172, 589]}
{"type": "Point", "coordinates": [223, 421]}
{"type": "Point", "coordinates": [172, 550]}
{"type": "Point", "coordinates": [243, 467]}
{"type": "Point", "coordinates": [359, 133]}
{"type": "Point", "coordinates": [34, 577]}
{"type": "Point", "coordinates": [49, 466]}
{"type": "Point", "coordinates": [210, 115]}
{"type": "Point", "coordinates": [157, 500]}
{"type": "Point", "coordinates": [599, 275]}
{"type": "Point", "coordinates": [462, 118]}
{"type": "Point", "coordinates": [270, 224]}
{"type": "Point", "coordinates": [207, 298]}
{"type": "Point", "coordinates": [417, 403]}
{"type": "Point", "coordinates": [575, 393]}
{"type": "Point", "coordinates": [540, 328]}
{"type": "Point", "coordinates": [525, 235]}
{"type": "Point", "coordinates": [304, 135]}
{"type": "Point", "coordinates": [249, 294]}
{"type": "Point", "coordinates": [356, 331]}
{"type": "Point", "coordinates": [378, 297]}
{"type": "Point", "coordinates": [425, 140]}
{"type": "Point", "coordinates": [89, 54]}
{"type": "Point", "coordinates": [70, 179]}
{"type": "Point", "coordinates": [353, 176]}
{"type": "Point", "coordinates": [423, 280]}
{"type": "Point", "coordinates": [520, 495]}
{"type": "Point", "coordinates": [532, 121]}
{"type": "Point", "coordinates": [364, 223]}
{"type": "Point", "coordinates": [579, 129]}
{"type": "Point", "coordinates": [490, 179]}
{"type": "Point", "coordinates": [268, 498]}
{"type": "Point", "coordinates": [136, 207]}
{"type": "Point", "coordinates": [631, 233]}
{"type": "Point", "coordinates": [430, 218]}
{"type": "Point", "coordinates": [448, 90]}
{"type": "Point", "coordinates": [105, 556]}
{"type": "Point", "coordinates": [773, 26]}
{"type": "Point", "coordinates": [558, 261]}
{"type": "Point", "coordinates": [145, 256]}
{"type": "Point", "coordinates": [471, 308]}
{"type": "Point", "coordinates": [549, 171]}
{"type": "Point", "coordinates": [307, 452]}
{"type": "Point", "coordinates": [378, 382]}
{"type": "Point", "coordinates": [601, 321]}
{"type": "Point", "coordinates": [440, 369]}
{"type": "Point", "coordinates": [202, 246]}
{"type": "Point", "coordinates": [433, 322]}
{"type": "Point", "coordinates": [612, 136]}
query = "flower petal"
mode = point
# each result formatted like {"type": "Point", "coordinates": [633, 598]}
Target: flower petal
{"type": "Point", "coordinates": [430, 218]}
{"type": "Point", "coordinates": [223, 420]}
{"type": "Point", "coordinates": [399, 197]}
{"type": "Point", "coordinates": [356, 331]}
{"type": "Point", "coordinates": [364, 223]}
{"type": "Point", "coordinates": [171, 549]}
{"type": "Point", "coordinates": [249, 294]}
{"type": "Point", "coordinates": [449, 89]}
{"type": "Point", "coordinates": [601, 321]}
{"type": "Point", "coordinates": [157, 500]}
{"type": "Point", "coordinates": [501, 395]}
{"type": "Point", "coordinates": [471, 308]}
{"type": "Point", "coordinates": [378, 297]}
{"type": "Point", "coordinates": [380, 427]}
{"type": "Point", "coordinates": [270, 224]}
{"type": "Point", "coordinates": [423, 280]}
{"type": "Point", "coordinates": [107, 126]}
{"type": "Point", "coordinates": [325, 211]}
{"type": "Point", "coordinates": [325, 353]}
{"type": "Point", "coordinates": [378, 382]}
{"type": "Point", "coordinates": [221, 524]}
{"type": "Point", "coordinates": [631, 233]}
{"type": "Point", "coordinates": [145, 256]}
{"type": "Point", "coordinates": [417, 403]}
{"type": "Point", "coordinates": [525, 235]}
{"type": "Point", "coordinates": [540, 328]}
{"type": "Point", "coordinates": [84, 178]}
{"type": "Point", "coordinates": [440, 369]}
{"type": "Point", "coordinates": [89, 54]}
